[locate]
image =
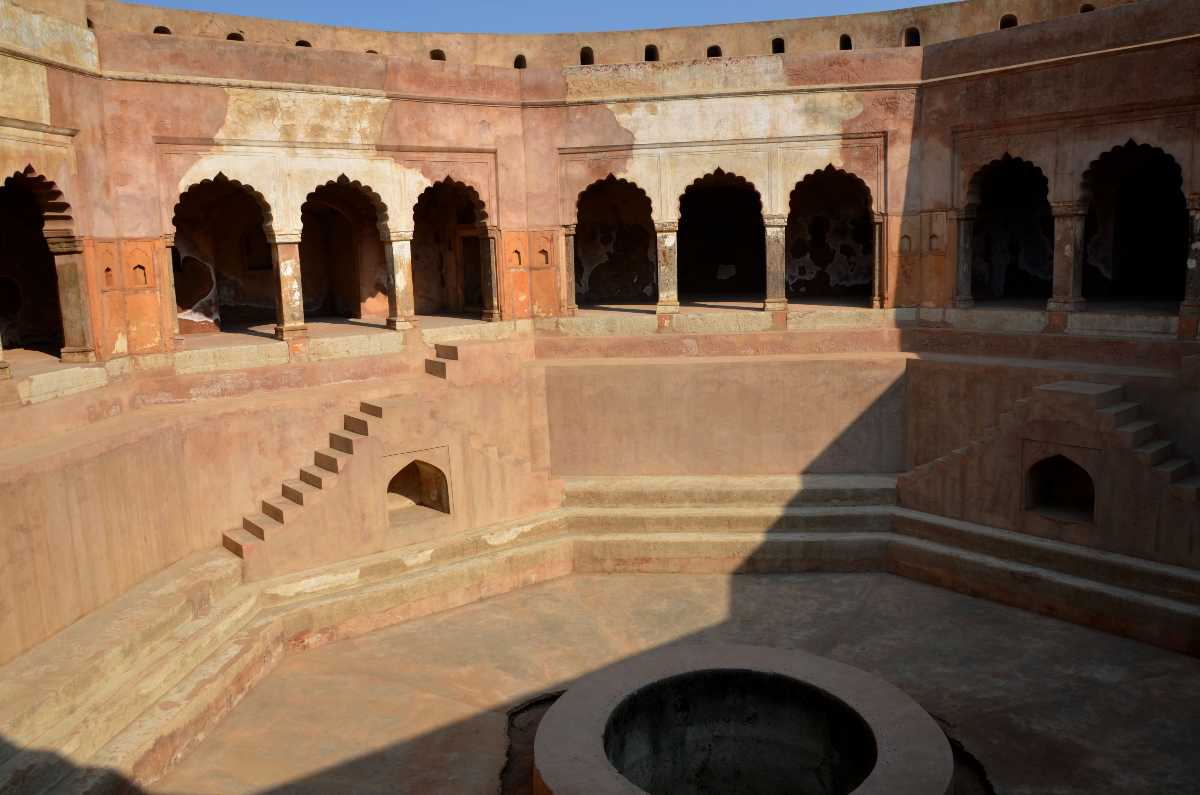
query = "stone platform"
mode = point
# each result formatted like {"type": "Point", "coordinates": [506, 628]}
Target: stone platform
{"type": "Point", "coordinates": [421, 707]}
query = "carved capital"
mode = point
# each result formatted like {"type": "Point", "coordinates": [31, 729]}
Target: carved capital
{"type": "Point", "coordinates": [282, 238]}
{"type": "Point", "coordinates": [568, 229]}
{"type": "Point", "coordinates": [399, 235]}
{"type": "Point", "coordinates": [168, 239]}
{"type": "Point", "coordinates": [1068, 209]}
{"type": "Point", "coordinates": [963, 214]}
{"type": "Point", "coordinates": [775, 220]}
{"type": "Point", "coordinates": [666, 226]}
{"type": "Point", "coordinates": [61, 246]}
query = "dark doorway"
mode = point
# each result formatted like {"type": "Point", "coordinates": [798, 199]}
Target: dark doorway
{"type": "Point", "coordinates": [615, 246]}
{"type": "Point", "coordinates": [342, 262]}
{"type": "Point", "coordinates": [415, 490]}
{"type": "Point", "coordinates": [1136, 231]}
{"type": "Point", "coordinates": [722, 247]}
{"type": "Point", "coordinates": [830, 240]}
{"type": "Point", "coordinates": [224, 274]}
{"type": "Point", "coordinates": [450, 250]}
{"type": "Point", "coordinates": [30, 316]}
{"type": "Point", "coordinates": [1012, 247]}
{"type": "Point", "coordinates": [1061, 489]}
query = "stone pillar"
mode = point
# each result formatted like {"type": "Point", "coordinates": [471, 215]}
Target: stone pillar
{"type": "Point", "coordinates": [776, 248]}
{"type": "Point", "coordinates": [168, 290]}
{"type": "Point", "coordinates": [289, 298]}
{"type": "Point", "coordinates": [401, 301]}
{"type": "Point", "coordinates": [668, 277]}
{"type": "Point", "coordinates": [879, 265]}
{"type": "Point", "coordinates": [4, 371]}
{"type": "Point", "coordinates": [570, 305]}
{"type": "Point", "coordinates": [963, 298]}
{"type": "Point", "coordinates": [72, 298]}
{"type": "Point", "coordinates": [1189, 310]}
{"type": "Point", "coordinates": [1066, 295]}
{"type": "Point", "coordinates": [491, 275]}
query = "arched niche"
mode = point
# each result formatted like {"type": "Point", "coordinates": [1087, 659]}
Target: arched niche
{"type": "Point", "coordinates": [417, 491]}
{"type": "Point", "coordinates": [1060, 489]}
{"type": "Point", "coordinates": [452, 261]}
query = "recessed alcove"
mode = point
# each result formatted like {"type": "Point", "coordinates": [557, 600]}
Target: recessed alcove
{"type": "Point", "coordinates": [1058, 488]}
{"type": "Point", "coordinates": [416, 492]}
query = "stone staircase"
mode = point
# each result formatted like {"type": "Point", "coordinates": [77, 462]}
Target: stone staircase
{"type": "Point", "coordinates": [315, 479]}
{"type": "Point", "coordinates": [1124, 419]}
{"type": "Point", "coordinates": [438, 366]}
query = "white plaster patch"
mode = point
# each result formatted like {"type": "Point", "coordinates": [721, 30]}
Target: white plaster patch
{"type": "Point", "coordinates": [502, 537]}
{"type": "Point", "coordinates": [26, 95]}
{"type": "Point", "coordinates": [302, 117]}
{"type": "Point", "coordinates": [120, 345]}
{"type": "Point", "coordinates": [412, 559]}
{"type": "Point", "coordinates": [316, 584]}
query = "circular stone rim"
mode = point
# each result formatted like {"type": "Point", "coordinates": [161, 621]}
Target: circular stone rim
{"type": "Point", "coordinates": [913, 756]}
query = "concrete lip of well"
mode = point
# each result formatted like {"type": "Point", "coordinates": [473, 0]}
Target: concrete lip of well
{"type": "Point", "coordinates": [733, 718]}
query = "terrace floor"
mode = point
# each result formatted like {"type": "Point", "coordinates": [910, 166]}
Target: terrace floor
{"type": "Point", "coordinates": [1045, 706]}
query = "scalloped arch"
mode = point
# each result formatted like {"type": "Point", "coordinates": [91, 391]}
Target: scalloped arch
{"type": "Point", "coordinates": [1006, 160]}
{"type": "Point", "coordinates": [366, 192]}
{"type": "Point", "coordinates": [221, 180]}
{"type": "Point", "coordinates": [832, 171]}
{"type": "Point", "coordinates": [472, 196]}
{"type": "Point", "coordinates": [57, 220]}
{"type": "Point", "coordinates": [720, 176]}
{"type": "Point", "coordinates": [613, 181]}
{"type": "Point", "coordinates": [1096, 168]}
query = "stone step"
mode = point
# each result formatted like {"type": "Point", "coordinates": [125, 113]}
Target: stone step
{"type": "Point", "coordinates": [343, 441]}
{"type": "Point", "coordinates": [703, 519]}
{"type": "Point", "coordinates": [1119, 414]}
{"type": "Point", "coordinates": [1137, 433]}
{"type": "Point", "coordinates": [1082, 392]}
{"type": "Point", "coordinates": [280, 508]}
{"type": "Point", "coordinates": [1187, 489]}
{"type": "Point", "coordinates": [317, 477]}
{"type": "Point", "coordinates": [683, 491]}
{"type": "Point", "coordinates": [370, 409]}
{"type": "Point", "coordinates": [261, 525]}
{"type": "Point", "coordinates": [443, 351]}
{"type": "Point", "coordinates": [240, 542]}
{"type": "Point", "coordinates": [330, 459]}
{"type": "Point", "coordinates": [1174, 469]}
{"type": "Point", "coordinates": [1109, 568]}
{"type": "Point", "coordinates": [297, 490]}
{"type": "Point", "coordinates": [357, 422]}
{"type": "Point", "coordinates": [435, 367]}
{"type": "Point", "coordinates": [1155, 452]}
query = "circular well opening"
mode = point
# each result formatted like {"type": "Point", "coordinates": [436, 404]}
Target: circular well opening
{"type": "Point", "coordinates": [734, 730]}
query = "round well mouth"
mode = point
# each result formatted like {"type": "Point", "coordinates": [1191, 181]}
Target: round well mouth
{"type": "Point", "coordinates": [738, 730]}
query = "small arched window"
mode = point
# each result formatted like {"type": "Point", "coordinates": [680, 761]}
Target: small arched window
{"type": "Point", "coordinates": [302, 43]}
{"type": "Point", "coordinates": [845, 43]}
{"type": "Point", "coordinates": [778, 46]}
{"type": "Point", "coordinates": [714, 51]}
{"type": "Point", "coordinates": [651, 52]}
{"type": "Point", "coordinates": [235, 36]}
{"type": "Point", "coordinates": [519, 62]}
{"type": "Point", "coordinates": [586, 56]}
{"type": "Point", "coordinates": [1086, 7]}
{"type": "Point", "coordinates": [912, 37]}
{"type": "Point", "coordinates": [1008, 21]}
{"type": "Point", "coordinates": [371, 52]}
{"type": "Point", "coordinates": [163, 30]}
{"type": "Point", "coordinates": [437, 55]}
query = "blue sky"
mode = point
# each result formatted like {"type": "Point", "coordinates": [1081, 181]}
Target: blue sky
{"type": "Point", "coordinates": [532, 16]}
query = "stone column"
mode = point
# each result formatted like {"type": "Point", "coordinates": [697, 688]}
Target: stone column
{"type": "Point", "coordinates": [668, 277]}
{"type": "Point", "coordinates": [490, 286]}
{"type": "Point", "coordinates": [4, 371]}
{"type": "Point", "coordinates": [963, 298]}
{"type": "Point", "coordinates": [570, 304]}
{"type": "Point", "coordinates": [289, 298]}
{"type": "Point", "coordinates": [879, 264]}
{"type": "Point", "coordinates": [167, 289]}
{"type": "Point", "coordinates": [1066, 295]}
{"type": "Point", "coordinates": [776, 248]}
{"type": "Point", "coordinates": [72, 298]}
{"type": "Point", "coordinates": [1189, 310]}
{"type": "Point", "coordinates": [397, 251]}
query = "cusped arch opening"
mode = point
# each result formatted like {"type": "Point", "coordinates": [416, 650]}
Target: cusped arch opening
{"type": "Point", "coordinates": [714, 51]}
{"type": "Point", "coordinates": [912, 37]}
{"type": "Point", "coordinates": [519, 62]}
{"type": "Point", "coordinates": [452, 258]}
{"type": "Point", "coordinates": [1137, 230]}
{"type": "Point", "coordinates": [845, 42]}
{"type": "Point", "coordinates": [615, 246]}
{"type": "Point", "coordinates": [1061, 489]}
{"type": "Point", "coordinates": [437, 55]}
{"type": "Point", "coordinates": [1012, 233]}
{"type": "Point", "coordinates": [650, 53]}
{"type": "Point", "coordinates": [778, 46]}
{"type": "Point", "coordinates": [343, 264]}
{"type": "Point", "coordinates": [586, 56]}
{"type": "Point", "coordinates": [1008, 21]}
{"type": "Point", "coordinates": [418, 491]}
{"type": "Point", "coordinates": [222, 261]}
{"type": "Point", "coordinates": [721, 240]}
{"type": "Point", "coordinates": [830, 239]}
{"type": "Point", "coordinates": [31, 212]}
